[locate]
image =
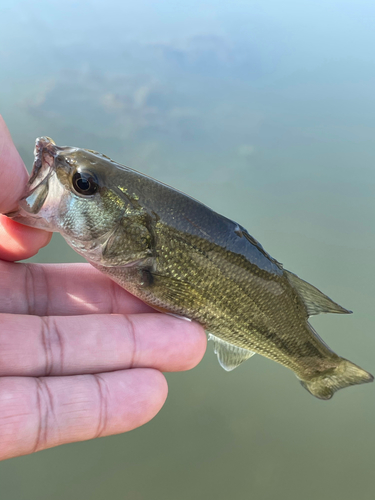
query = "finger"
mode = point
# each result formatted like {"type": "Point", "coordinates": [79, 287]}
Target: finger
{"type": "Point", "coordinates": [16, 241]}
{"type": "Point", "coordinates": [40, 413]}
{"type": "Point", "coordinates": [13, 173]}
{"type": "Point", "coordinates": [62, 289]}
{"type": "Point", "coordinates": [69, 345]}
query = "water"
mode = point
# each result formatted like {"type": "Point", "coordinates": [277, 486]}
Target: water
{"type": "Point", "coordinates": [263, 110]}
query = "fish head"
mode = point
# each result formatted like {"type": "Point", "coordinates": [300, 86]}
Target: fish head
{"type": "Point", "coordinates": [76, 192]}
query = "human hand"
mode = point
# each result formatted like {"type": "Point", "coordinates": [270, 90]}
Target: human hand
{"type": "Point", "coordinates": [79, 356]}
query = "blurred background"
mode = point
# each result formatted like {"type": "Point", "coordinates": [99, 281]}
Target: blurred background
{"type": "Point", "coordinates": [265, 111]}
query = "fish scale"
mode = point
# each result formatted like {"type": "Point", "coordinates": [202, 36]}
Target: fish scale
{"type": "Point", "coordinates": [212, 299]}
{"type": "Point", "coordinates": [183, 258]}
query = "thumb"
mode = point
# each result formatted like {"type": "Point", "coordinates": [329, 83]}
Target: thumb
{"type": "Point", "coordinates": [16, 241]}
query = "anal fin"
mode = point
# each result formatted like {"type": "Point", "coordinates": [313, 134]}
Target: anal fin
{"type": "Point", "coordinates": [229, 355]}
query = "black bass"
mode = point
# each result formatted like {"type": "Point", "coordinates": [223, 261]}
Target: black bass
{"type": "Point", "coordinates": [182, 258]}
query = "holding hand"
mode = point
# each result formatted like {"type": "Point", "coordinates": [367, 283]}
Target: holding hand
{"type": "Point", "coordinates": [79, 356]}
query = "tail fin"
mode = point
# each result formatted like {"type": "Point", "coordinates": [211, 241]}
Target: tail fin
{"type": "Point", "coordinates": [343, 375]}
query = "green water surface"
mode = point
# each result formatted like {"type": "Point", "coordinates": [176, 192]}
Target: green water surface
{"type": "Point", "coordinates": [265, 111]}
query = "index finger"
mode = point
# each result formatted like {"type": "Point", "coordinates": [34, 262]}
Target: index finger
{"type": "Point", "coordinates": [16, 241]}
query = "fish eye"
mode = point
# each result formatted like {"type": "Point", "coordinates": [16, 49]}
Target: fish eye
{"type": "Point", "coordinates": [85, 183]}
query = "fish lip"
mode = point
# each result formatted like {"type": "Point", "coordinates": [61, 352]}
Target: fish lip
{"type": "Point", "coordinates": [45, 153]}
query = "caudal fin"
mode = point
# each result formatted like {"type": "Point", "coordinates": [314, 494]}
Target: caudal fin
{"type": "Point", "coordinates": [343, 375]}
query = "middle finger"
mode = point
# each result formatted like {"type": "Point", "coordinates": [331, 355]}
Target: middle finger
{"type": "Point", "coordinates": [93, 343]}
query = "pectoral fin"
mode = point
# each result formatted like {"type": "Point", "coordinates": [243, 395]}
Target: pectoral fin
{"type": "Point", "coordinates": [229, 355]}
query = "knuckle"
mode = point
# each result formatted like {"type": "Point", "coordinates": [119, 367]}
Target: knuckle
{"type": "Point", "coordinates": [103, 397]}
{"type": "Point", "coordinates": [36, 281]}
{"type": "Point", "coordinates": [30, 288]}
{"type": "Point", "coordinates": [131, 329]}
{"type": "Point", "coordinates": [46, 415]}
{"type": "Point", "coordinates": [53, 346]}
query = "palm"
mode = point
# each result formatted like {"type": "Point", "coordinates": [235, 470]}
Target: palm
{"type": "Point", "coordinates": [79, 356]}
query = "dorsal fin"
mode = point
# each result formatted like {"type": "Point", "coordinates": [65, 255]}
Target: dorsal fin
{"type": "Point", "coordinates": [315, 301]}
{"type": "Point", "coordinates": [229, 355]}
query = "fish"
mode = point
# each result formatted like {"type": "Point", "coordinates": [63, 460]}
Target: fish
{"type": "Point", "coordinates": [184, 259]}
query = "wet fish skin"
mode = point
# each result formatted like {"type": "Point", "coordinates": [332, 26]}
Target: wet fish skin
{"type": "Point", "coordinates": [181, 257]}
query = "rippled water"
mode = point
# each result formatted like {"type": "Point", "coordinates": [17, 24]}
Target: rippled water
{"type": "Point", "coordinates": [265, 111]}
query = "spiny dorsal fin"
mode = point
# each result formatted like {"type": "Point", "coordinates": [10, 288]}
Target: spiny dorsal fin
{"type": "Point", "coordinates": [315, 301]}
{"type": "Point", "coordinates": [229, 355]}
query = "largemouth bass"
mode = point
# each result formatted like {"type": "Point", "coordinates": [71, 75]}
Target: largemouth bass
{"type": "Point", "coordinates": [183, 258]}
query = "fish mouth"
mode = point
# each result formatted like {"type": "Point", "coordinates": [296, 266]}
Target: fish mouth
{"type": "Point", "coordinates": [37, 188]}
{"type": "Point", "coordinates": [44, 158]}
